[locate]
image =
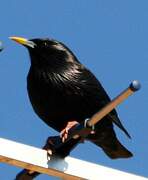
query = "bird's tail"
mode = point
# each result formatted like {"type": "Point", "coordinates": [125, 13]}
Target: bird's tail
{"type": "Point", "coordinates": [119, 152]}
{"type": "Point", "coordinates": [105, 138]}
{"type": "Point", "coordinates": [114, 150]}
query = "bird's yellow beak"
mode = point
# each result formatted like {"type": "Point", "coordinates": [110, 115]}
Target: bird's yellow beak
{"type": "Point", "coordinates": [19, 40]}
{"type": "Point", "coordinates": [23, 41]}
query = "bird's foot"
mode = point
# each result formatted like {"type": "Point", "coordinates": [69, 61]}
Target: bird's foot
{"type": "Point", "coordinates": [51, 144]}
{"type": "Point", "coordinates": [65, 131]}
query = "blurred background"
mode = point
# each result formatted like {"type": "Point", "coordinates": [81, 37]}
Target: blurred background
{"type": "Point", "coordinates": [109, 37]}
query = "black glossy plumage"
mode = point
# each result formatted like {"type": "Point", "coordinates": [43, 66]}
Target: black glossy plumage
{"type": "Point", "coordinates": [61, 89]}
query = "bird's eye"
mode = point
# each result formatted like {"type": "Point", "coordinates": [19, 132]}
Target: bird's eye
{"type": "Point", "coordinates": [45, 43]}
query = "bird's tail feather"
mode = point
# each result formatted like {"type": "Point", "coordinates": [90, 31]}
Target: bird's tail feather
{"type": "Point", "coordinates": [105, 138]}
{"type": "Point", "coordinates": [119, 152]}
{"type": "Point", "coordinates": [115, 150]}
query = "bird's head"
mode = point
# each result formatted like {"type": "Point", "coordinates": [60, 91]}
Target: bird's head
{"type": "Point", "coordinates": [46, 52]}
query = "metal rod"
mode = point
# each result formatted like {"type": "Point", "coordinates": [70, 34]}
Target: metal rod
{"type": "Point", "coordinates": [134, 86]}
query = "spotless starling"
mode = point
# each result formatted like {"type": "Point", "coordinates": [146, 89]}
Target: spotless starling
{"type": "Point", "coordinates": [63, 93]}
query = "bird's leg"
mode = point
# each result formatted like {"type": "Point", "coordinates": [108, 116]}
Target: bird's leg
{"type": "Point", "coordinates": [65, 131]}
{"type": "Point", "coordinates": [51, 144]}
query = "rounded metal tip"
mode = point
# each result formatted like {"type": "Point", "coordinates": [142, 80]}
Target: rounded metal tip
{"type": "Point", "coordinates": [1, 46]}
{"type": "Point", "coordinates": [135, 85]}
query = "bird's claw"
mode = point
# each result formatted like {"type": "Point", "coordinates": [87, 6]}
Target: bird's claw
{"type": "Point", "coordinates": [64, 133]}
{"type": "Point", "coordinates": [49, 154]}
{"type": "Point", "coordinates": [30, 172]}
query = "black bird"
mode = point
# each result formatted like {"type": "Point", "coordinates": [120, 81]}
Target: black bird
{"type": "Point", "coordinates": [63, 92]}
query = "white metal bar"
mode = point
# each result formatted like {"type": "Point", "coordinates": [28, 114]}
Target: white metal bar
{"type": "Point", "coordinates": [35, 159]}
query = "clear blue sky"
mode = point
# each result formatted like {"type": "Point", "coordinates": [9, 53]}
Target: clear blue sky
{"type": "Point", "coordinates": [109, 37]}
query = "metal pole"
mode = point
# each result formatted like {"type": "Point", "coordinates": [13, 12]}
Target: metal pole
{"type": "Point", "coordinates": [134, 86]}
